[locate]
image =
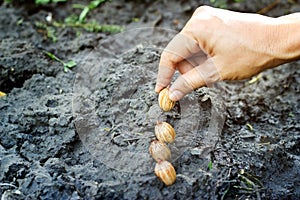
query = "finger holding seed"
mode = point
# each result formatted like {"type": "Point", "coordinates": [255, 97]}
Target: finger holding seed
{"type": "Point", "coordinates": [165, 103]}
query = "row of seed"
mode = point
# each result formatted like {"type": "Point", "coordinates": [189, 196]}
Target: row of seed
{"type": "Point", "coordinates": [160, 152]}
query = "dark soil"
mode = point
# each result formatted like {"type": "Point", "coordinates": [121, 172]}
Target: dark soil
{"type": "Point", "coordinates": [85, 133]}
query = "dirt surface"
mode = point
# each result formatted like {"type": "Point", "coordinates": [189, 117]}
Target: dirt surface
{"type": "Point", "coordinates": [85, 133]}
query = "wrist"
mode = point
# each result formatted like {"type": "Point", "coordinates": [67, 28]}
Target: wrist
{"type": "Point", "coordinates": [289, 38]}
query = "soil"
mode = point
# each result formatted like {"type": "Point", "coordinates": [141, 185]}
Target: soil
{"type": "Point", "coordinates": [85, 133]}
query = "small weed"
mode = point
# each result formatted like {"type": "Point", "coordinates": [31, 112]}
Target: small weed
{"type": "Point", "coordinates": [135, 19]}
{"type": "Point", "coordinates": [20, 22]}
{"type": "Point", "coordinates": [49, 31]}
{"type": "Point", "coordinates": [222, 3]}
{"type": "Point", "coordinates": [243, 184]}
{"type": "Point", "coordinates": [92, 26]}
{"type": "Point", "coordinates": [76, 22]}
{"type": "Point", "coordinates": [291, 114]}
{"type": "Point", "coordinates": [219, 3]}
{"type": "Point", "coordinates": [48, 1]}
{"type": "Point", "coordinates": [86, 9]}
{"type": "Point", "coordinates": [210, 165]}
{"type": "Point", "coordinates": [37, 2]}
{"type": "Point", "coordinates": [68, 65]}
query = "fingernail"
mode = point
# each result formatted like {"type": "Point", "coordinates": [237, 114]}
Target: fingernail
{"type": "Point", "coordinates": [176, 95]}
{"type": "Point", "coordinates": [157, 88]}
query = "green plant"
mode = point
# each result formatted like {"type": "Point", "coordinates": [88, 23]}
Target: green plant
{"type": "Point", "coordinates": [48, 1]}
{"type": "Point", "coordinates": [68, 65]}
{"type": "Point", "coordinates": [222, 3]}
{"type": "Point", "coordinates": [76, 22]}
{"type": "Point", "coordinates": [92, 26]}
{"type": "Point", "coordinates": [49, 30]}
{"type": "Point", "coordinates": [86, 9]}
{"type": "Point", "coordinates": [219, 3]}
{"type": "Point", "coordinates": [210, 165]}
{"type": "Point", "coordinates": [244, 183]}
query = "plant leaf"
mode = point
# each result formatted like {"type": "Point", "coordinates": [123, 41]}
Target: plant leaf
{"type": "Point", "coordinates": [83, 14]}
{"type": "Point", "coordinates": [210, 165]}
{"type": "Point", "coordinates": [52, 56]}
{"type": "Point", "coordinates": [42, 1]}
{"type": "Point", "coordinates": [94, 4]}
{"type": "Point", "coordinates": [71, 64]}
{"type": "Point", "coordinates": [66, 69]}
{"type": "Point", "coordinates": [56, 1]}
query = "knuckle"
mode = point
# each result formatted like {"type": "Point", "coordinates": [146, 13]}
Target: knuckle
{"type": "Point", "coordinates": [202, 17]}
{"type": "Point", "coordinates": [202, 9]}
{"type": "Point", "coordinates": [189, 84]}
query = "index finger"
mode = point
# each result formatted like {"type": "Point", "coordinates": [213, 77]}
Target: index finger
{"type": "Point", "coordinates": [178, 49]}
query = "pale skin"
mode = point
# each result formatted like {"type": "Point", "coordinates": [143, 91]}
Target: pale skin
{"type": "Point", "coordinates": [217, 45]}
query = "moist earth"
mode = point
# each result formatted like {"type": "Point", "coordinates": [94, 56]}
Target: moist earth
{"type": "Point", "coordinates": [85, 133]}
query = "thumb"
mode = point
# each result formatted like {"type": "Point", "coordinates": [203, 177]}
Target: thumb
{"type": "Point", "coordinates": [202, 75]}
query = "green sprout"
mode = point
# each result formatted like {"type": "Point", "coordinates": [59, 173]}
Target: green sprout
{"type": "Point", "coordinates": [75, 22]}
{"type": "Point", "coordinates": [291, 114]}
{"type": "Point", "coordinates": [210, 165]}
{"type": "Point", "coordinates": [48, 1]}
{"type": "Point", "coordinates": [92, 26]}
{"type": "Point", "coordinates": [219, 3]}
{"type": "Point", "coordinates": [50, 31]}
{"type": "Point", "coordinates": [86, 9]}
{"type": "Point", "coordinates": [68, 65]}
{"type": "Point", "coordinates": [222, 3]}
{"type": "Point", "coordinates": [20, 22]}
{"type": "Point", "coordinates": [251, 183]}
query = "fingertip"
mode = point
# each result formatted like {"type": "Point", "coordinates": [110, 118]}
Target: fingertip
{"type": "Point", "coordinates": [157, 89]}
{"type": "Point", "coordinates": [180, 88]}
{"type": "Point", "coordinates": [164, 77]}
{"type": "Point", "coordinates": [176, 95]}
{"type": "Point", "coordinates": [159, 86]}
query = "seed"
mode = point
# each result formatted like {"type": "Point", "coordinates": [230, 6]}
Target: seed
{"type": "Point", "coordinates": [159, 151]}
{"type": "Point", "coordinates": [165, 172]}
{"type": "Point", "coordinates": [164, 101]}
{"type": "Point", "coordinates": [165, 132]}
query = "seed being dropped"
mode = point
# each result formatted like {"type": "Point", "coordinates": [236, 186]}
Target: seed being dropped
{"type": "Point", "coordinates": [164, 101]}
{"type": "Point", "coordinates": [159, 151]}
{"type": "Point", "coordinates": [165, 132]}
{"type": "Point", "coordinates": [165, 172]}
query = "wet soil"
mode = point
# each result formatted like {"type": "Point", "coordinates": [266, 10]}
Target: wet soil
{"type": "Point", "coordinates": [85, 133]}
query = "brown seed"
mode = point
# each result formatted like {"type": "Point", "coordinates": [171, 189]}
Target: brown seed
{"type": "Point", "coordinates": [164, 101]}
{"type": "Point", "coordinates": [159, 151]}
{"type": "Point", "coordinates": [165, 172]}
{"type": "Point", "coordinates": [165, 132]}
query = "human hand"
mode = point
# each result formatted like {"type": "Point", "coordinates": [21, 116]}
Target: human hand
{"type": "Point", "coordinates": [218, 44]}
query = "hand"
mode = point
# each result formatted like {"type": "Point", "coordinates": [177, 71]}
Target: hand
{"type": "Point", "coordinates": [218, 44]}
